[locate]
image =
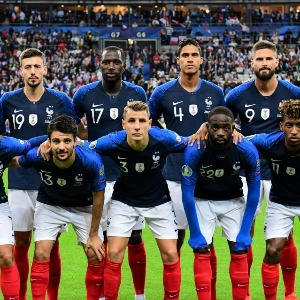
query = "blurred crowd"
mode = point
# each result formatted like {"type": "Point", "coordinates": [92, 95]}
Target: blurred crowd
{"type": "Point", "coordinates": [146, 16]}
{"type": "Point", "coordinates": [73, 61]}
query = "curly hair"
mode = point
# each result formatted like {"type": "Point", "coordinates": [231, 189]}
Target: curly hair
{"type": "Point", "coordinates": [290, 108]}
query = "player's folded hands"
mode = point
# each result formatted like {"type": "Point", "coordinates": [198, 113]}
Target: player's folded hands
{"type": "Point", "coordinates": [95, 244]}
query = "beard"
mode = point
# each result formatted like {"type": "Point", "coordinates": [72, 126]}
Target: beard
{"type": "Point", "coordinates": [33, 85]}
{"type": "Point", "coordinates": [56, 155]}
{"type": "Point", "coordinates": [264, 76]}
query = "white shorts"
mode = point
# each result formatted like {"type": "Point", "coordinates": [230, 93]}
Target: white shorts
{"type": "Point", "coordinates": [161, 220]}
{"type": "Point", "coordinates": [6, 227]}
{"type": "Point", "coordinates": [140, 225]}
{"type": "Point", "coordinates": [280, 220]}
{"type": "Point", "coordinates": [265, 186]}
{"type": "Point", "coordinates": [176, 196]}
{"type": "Point", "coordinates": [22, 204]}
{"type": "Point", "coordinates": [227, 213]}
{"type": "Point", "coordinates": [48, 220]}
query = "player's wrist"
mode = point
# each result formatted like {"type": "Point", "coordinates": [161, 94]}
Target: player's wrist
{"type": "Point", "coordinates": [237, 128]}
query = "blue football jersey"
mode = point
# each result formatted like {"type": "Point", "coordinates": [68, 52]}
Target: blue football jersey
{"type": "Point", "coordinates": [141, 182]}
{"type": "Point", "coordinates": [285, 168]}
{"type": "Point", "coordinates": [104, 113]}
{"type": "Point", "coordinates": [10, 147]}
{"type": "Point", "coordinates": [218, 178]}
{"type": "Point", "coordinates": [183, 112]}
{"type": "Point", "coordinates": [71, 187]}
{"type": "Point", "coordinates": [258, 113]}
{"type": "Point", "coordinates": [28, 119]}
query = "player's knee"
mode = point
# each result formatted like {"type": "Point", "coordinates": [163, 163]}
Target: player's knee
{"type": "Point", "coordinates": [6, 258]}
{"type": "Point", "coordinates": [273, 255]}
{"type": "Point", "coordinates": [136, 237]}
{"type": "Point", "coordinates": [116, 255]}
{"type": "Point", "coordinates": [169, 255]}
{"type": "Point", "coordinates": [41, 255]}
{"type": "Point", "coordinates": [91, 256]}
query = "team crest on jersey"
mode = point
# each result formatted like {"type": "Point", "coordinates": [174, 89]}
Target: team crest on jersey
{"type": "Point", "coordinates": [193, 109]}
{"type": "Point", "coordinates": [236, 168]}
{"type": "Point", "coordinates": [155, 158]}
{"type": "Point", "coordinates": [265, 113]}
{"type": "Point", "coordinates": [78, 179]}
{"type": "Point", "coordinates": [50, 112]}
{"type": "Point", "coordinates": [186, 171]}
{"type": "Point", "coordinates": [208, 103]}
{"type": "Point", "coordinates": [33, 119]}
{"type": "Point", "coordinates": [61, 182]}
{"type": "Point", "coordinates": [114, 113]}
{"type": "Point", "coordinates": [139, 167]}
{"type": "Point", "coordinates": [290, 171]}
{"type": "Point", "coordinates": [219, 172]}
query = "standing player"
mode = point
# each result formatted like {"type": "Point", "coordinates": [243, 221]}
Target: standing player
{"type": "Point", "coordinates": [212, 192]}
{"type": "Point", "coordinates": [29, 111]}
{"type": "Point", "coordinates": [256, 103]}
{"type": "Point", "coordinates": [72, 191]}
{"type": "Point", "coordinates": [184, 104]}
{"type": "Point", "coordinates": [282, 152]}
{"type": "Point", "coordinates": [103, 102]}
{"type": "Point", "coordinates": [141, 190]}
{"type": "Point", "coordinates": [10, 280]}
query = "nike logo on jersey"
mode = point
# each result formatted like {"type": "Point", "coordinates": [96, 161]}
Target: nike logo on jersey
{"type": "Point", "coordinates": [204, 167]}
{"type": "Point", "coordinates": [96, 105]}
{"type": "Point", "coordinates": [16, 111]}
{"type": "Point", "coordinates": [122, 157]}
{"type": "Point", "coordinates": [272, 159]}
{"type": "Point", "coordinates": [175, 103]}
{"type": "Point", "coordinates": [249, 105]}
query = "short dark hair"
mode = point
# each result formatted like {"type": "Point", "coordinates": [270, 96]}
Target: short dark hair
{"type": "Point", "coordinates": [64, 124]}
{"type": "Point", "coordinates": [32, 52]}
{"type": "Point", "coordinates": [220, 110]}
{"type": "Point", "coordinates": [290, 109]}
{"type": "Point", "coordinates": [115, 49]}
{"type": "Point", "coordinates": [188, 41]}
{"type": "Point", "coordinates": [264, 45]}
{"type": "Point", "coordinates": [136, 106]}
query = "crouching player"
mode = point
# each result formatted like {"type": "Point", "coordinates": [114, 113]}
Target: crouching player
{"type": "Point", "coordinates": [212, 192]}
{"type": "Point", "coordinates": [71, 192]}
